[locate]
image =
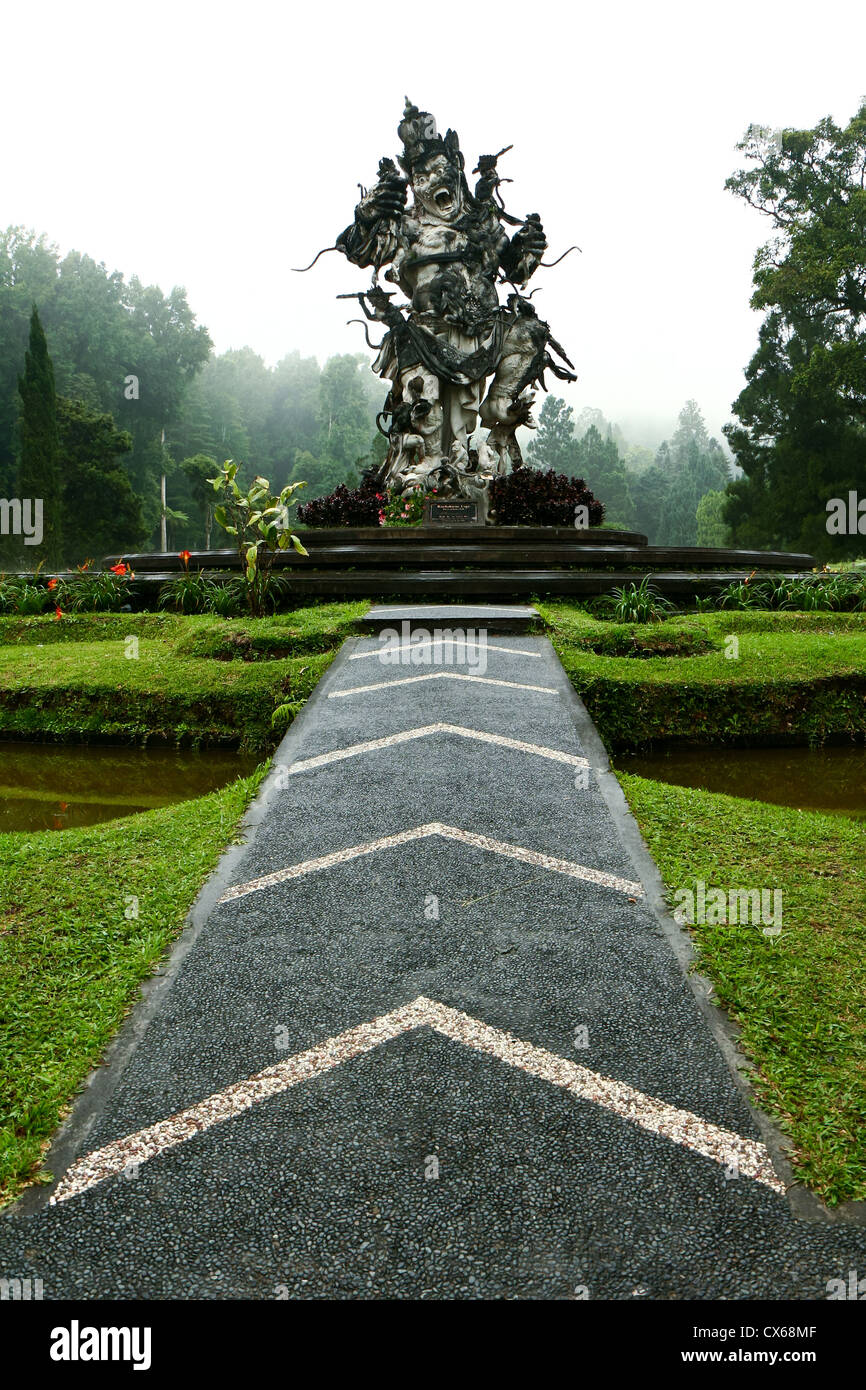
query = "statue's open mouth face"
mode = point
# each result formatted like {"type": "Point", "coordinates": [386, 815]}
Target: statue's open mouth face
{"type": "Point", "coordinates": [436, 186]}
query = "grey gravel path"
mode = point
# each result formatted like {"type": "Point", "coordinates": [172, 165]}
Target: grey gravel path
{"type": "Point", "coordinates": [425, 1167]}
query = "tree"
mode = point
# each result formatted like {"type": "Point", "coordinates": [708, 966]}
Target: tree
{"type": "Point", "coordinates": [638, 459]}
{"type": "Point", "coordinates": [38, 472]}
{"type": "Point", "coordinates": [198, 471]}
{"type": "Point", "coordinates": [591, 415]}
{"type": "Point", "coordinates": [600, 464]}
{"type": "Point", "coordinates": [712, 528]}
{"type": "Point", "coordinates": [690, 430]}
{"type": "Point", "coordinates": [120, 347]}
{"type": "Point", "coordinates": [101, 513]}
{"type": "Point", "coordinates": [321, 476]}
{"type": "Point", "coordinates": [686, 467]}
{"type": "Point", "coordinates": [650, 490]}
{"type": "Point", "coordinates": [344, 410]}
{"type": "Point", "coordinates": [801, 436]}
{"type": "Point", "coordinates": [554, 445]}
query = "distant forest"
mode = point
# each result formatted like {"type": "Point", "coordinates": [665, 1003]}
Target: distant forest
{"type": "Point", "coordinates": [675, 496]}
{"type": "Point", "coordinates": [141, 394]}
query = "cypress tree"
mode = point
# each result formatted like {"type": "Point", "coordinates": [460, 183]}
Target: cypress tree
{"type": "Point", "coordinates": [38, 454]}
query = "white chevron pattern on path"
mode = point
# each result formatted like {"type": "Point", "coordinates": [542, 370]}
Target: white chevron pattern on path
{"type": "Point", "coordinates": [439, 676]}
{"type": "Point", "coordinates": [749, 1157]}
{"type": "Point", "coordinates": [447, 642]}
{"type": "Point", "coordinates": [447, 832]}
{"type": "Point", "coordinates": [424, 731]}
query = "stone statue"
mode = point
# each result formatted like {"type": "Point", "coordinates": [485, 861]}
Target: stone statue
{"type": "Point", "coordinates": [447, 253]}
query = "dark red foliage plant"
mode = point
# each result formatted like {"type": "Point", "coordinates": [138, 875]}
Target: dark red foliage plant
{"type": "Point", "coordinates": [528, 497]}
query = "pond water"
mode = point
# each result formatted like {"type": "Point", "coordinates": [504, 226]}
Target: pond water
{"type": "Point", "coordinates": [45, 786]}
{"type": "Point", "coordinates": [832, 778]}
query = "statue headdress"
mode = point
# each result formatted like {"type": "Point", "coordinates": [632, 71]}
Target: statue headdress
{"type": "Point", "coordinates": [421, 139]}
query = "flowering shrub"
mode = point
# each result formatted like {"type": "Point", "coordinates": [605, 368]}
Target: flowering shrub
{"type": "Point", "coordinates": [106, 591]}
{"type": "Point", "coordinates": [404, 511]}
{"type": "Point", "coordinates": [528, 497]}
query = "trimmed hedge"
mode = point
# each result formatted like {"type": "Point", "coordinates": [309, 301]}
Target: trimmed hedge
{"type": "Point", "coordinates": [796, 677]}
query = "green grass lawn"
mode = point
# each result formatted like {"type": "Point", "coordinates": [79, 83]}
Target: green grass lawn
{"type": "Point", "coordinates": [194, 680]}
{"type": "Point", "coordinates": [71, 961]}
{"type": "Point", "coordinates": [799, 997]}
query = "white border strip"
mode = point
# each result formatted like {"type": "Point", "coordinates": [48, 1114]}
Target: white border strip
{"type": "Point", "coordinates": [338, 754]}
{"type": "Point", "coordinates": [447, 832]}
{"type": "Point", "coordinates": [748, 1157]}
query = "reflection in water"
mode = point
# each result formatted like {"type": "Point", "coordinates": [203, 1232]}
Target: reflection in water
{"type": "Point", "coordinates": [821, 779]}
{"type": "Point", "coordinates": [46, 786]}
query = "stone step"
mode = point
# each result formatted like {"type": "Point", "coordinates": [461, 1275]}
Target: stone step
{"type": "Point", "coordinates": [484, 616]}
{"type": "Point", "coordinates": [410, 552]}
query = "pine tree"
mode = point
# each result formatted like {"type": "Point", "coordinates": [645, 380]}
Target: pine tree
{"type": "Point", "coordinates": [606, 475]}
{"type": "Point", "coordinates": [554, 445]}
{"type": "Point", "coordinates": [38, 461]}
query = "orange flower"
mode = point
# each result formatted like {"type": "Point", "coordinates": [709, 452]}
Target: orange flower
{"type": "Point", "coordinates": [184, 556]}
{"type": "Point", "coordinates": [119, 568]}
{"type": "Point", "coordinates": [58, 613]}
{"type": "Point", "coordinates": [52, 584]}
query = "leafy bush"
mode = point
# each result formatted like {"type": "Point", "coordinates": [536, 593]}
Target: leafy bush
{"type": "Point", "coordinates": [528, 497]}
{"type": "Point", "coordinates": [744, 595]}
{"type": "Point", "coordinates": [259, 521]}
{"type": "Point", "coordinates": [360, 506]}
{"type": "Point", "coordinates": [229, 599]}
{"type": "Point", "coordinates": [188, 593]}
{"type": "Point", "coordinates": [22, 596]}
{"type": "Point", "coordinates": [815, 594]}
{"type": "Point", "coordinates": [106, 591]}
{"type": "Point", "coordinates": [640, 603]}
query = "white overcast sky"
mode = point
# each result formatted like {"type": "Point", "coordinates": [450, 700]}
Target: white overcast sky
{"type": "Point", "coordinates": [217, 145]}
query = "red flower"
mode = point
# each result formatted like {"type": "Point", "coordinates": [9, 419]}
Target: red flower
{"type": "Point", "coordinates": [184, 556]}
{"type": "Point", "coordinates": [52, 584]}
{"type": "Point", "coordinates": [119, 568]}
{"type": "Point", "coordinates": [58, 613]}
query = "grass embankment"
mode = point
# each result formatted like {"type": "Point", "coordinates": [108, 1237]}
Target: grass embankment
{"type": "Point", "coordinates": [799, 676]}
{"type": "Point", "coordinates": [183, 680]}
{"type": "Point", "coordinates": [71, 961]}
{"type": "Point", "coordinates": [798, 997]}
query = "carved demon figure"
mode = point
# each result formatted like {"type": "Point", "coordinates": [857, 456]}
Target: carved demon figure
{"type": "Point", "coordinates": [454, 355]}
